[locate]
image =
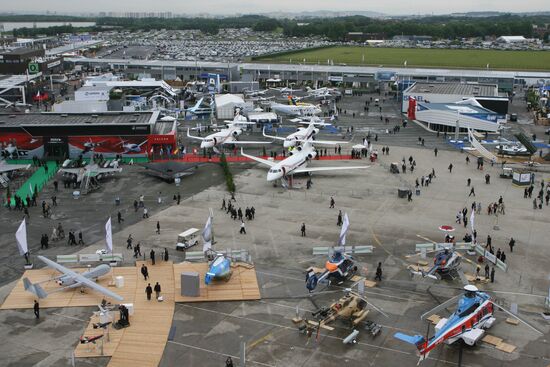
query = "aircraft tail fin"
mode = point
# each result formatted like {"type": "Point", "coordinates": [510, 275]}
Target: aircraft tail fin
{"type": "Point", "coordinates": [417, 340]}
{"type": "Point", "coordinates": [35, 289]}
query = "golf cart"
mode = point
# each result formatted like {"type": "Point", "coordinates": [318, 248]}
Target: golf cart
{"type": "Point", "coordinates": [187, 239]}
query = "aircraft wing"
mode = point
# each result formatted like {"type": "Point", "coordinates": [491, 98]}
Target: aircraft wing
{"type": "Point", "coordinates": [79, 278]}
{"type": "Point", "coordinates": [258, 159]}
{"type": "Point", "coordinates": [271, 136]}
{"type": "Point", "coordinates": [320, 169]}
{"type": "Point", "coordinates": [107, 170]}
{"type": "Point", "coordinates": [74, 171]}
{"type": "Point", "coordinates": [193, 137]}
{"type": "Point", "coordinates": [245, 142]}
{"type": "Point", "coordinates": [6, 167]}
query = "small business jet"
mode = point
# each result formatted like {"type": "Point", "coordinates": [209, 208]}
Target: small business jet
{"type": "Point", "coordinates": [302, 133]}
{"type": "Point", "coordinates": [296, 163]}
{"type": "Point", "coordinates": [225, 136]}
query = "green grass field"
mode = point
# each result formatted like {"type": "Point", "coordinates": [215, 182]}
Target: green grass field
{"type": "Point", "coordinates": [471, 59]}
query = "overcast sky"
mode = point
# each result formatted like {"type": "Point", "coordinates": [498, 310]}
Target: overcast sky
{"type": "Point", "coordinates": [398, 7]}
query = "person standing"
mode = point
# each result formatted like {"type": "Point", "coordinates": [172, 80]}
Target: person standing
{"type": "Point", "coordinates": [80, 238]}
{"type": "Point", "coordinates": [493, 274]}
{"type": "Point", "coordinates": [435, 152]}
{"type": "Point", "coordinates": [339, 221]}
{"type": "Point", "coordinates": [158, 227]}
{"type": "Point", "coordinates": [157, 290]}
{"type": "Point", "coordinates": [145, 213]}
{"type": "Point", "coordinates": [512, 243]}
{"type": "Point", "coordinates": [223, 205]}
{"type": "Point", "coordinates": [166, 254]}
{"type": "Point", "coordinates": [179, 198]}
{"type": "Point", "coordinates": [303, 229]}
{"type": "Point", "coordinates": [119, 216]}
{"type": "Point", "coordinates": [149, 291]}
{"type": "Point", "coordinates": [331, 203]}
{"type": "Point", "coordinates": [378, 272]}
{"type": "Point", "coordinates": [152, 255]}
{"type": "Point", "coordinates": [487, 274]}
{"type": "Point", "coordinates": [451, 168]}
{"type": "Point", "coordinates": [36, 308]}
{"type": "Point", "coordinates": [144, 271]}
{"type": "Point", "coordinates": [468, 181]}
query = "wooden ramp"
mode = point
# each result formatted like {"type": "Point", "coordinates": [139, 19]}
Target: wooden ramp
{"type": "Point", "coordinates": [242, 285]}
{"type": "Point", "coordinates": [19, 298]}
{"type": "Point", "coordinates": [142, 343]}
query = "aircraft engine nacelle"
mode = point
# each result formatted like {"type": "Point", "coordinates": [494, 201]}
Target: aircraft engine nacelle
{"type": "Point", "coordinates": [237, 132]}
{"type": "Point", "coordinates": [311, 155]}
{"type": "Point", "coordinates": [299, 149]}
{"type": "Point", "coordinates": [291, 152]}
{"type": "Point", "coordinates": [315, 131]}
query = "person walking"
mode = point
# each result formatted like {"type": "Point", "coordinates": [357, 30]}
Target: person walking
{"type": "Point", "coordinates": [339, 220]}
{"type": "Point", "coordinates": [512, 243]}
{"type": "Point", "coordinates": [36, 308]}
{"type": "Point", "coordinates": [137, 249]}
{"type": "Point", "coordinates": [145, 213]}
{"type": "Point", "coordinates": [451, 168]}
{"type": "Point", "coordinates": [487, 273]}
{"type": "Point", "coordinates": [303, 229]}
{"type": "Point", "coordinates": [129, 242]}
{"type": "Point", "coordinates": [166, 257]}
{"type": "Point", "coordinates": [158, 227]}
{"type": "Point", "coordinates": [144, 271]}
{"type": "Point", "coordinates": [331, 203]}
{"type": "Point", "coordinates": [378, 272]}
{"type": "Point", "coordinates": [472, 192]}
{"type": "Point", "coordinates": [149, 291]}
{"type": "Point", "coordinates": [157, 290]}
{"type": "Point", "coordinates": [223, 205]}
{"type": "Point", "coordinates": [152, 255]}
{"type": "Point", "coordinates": [243, 229]}
{"type": "Point", "coordinates": [119, 216]}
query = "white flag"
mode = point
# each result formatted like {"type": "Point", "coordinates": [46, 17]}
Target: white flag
{"type": "Point", "coordinates": [405, 63]}
{"type": "Point", "coordinates": [207, 235]}
{"type": "Point", "coordinates": [21, 237]}
{"type": "Point", "coordinates": [472, 218]}
{"type": "Point", "coordinates": [109, 236]}
{"type": "Point", "coordinates": [345, 225]}
{"type": "Point", "coordinates": [31, 190]}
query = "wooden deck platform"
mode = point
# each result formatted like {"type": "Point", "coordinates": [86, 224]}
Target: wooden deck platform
{"type": "Point", "coordinates": [242, 285]}
{"type": "Point", "coordinates": [142, 344]}
{"type": "Point", "coordinates": [19, 298]}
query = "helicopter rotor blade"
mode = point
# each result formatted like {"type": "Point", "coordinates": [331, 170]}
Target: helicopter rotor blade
{"type": "Point", "coordinates": [441, 306]}
{"type": "Point", "coordinates": [370, 304]}
{"type": "Point", "coordinates": [518, 318]}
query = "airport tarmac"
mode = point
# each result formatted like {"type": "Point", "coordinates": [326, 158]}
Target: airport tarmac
{"type": "Point", "coordinates": [206, 333]}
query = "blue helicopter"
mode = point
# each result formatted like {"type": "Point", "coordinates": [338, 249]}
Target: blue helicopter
{"type": "Point", "coordinates": [218, 269]}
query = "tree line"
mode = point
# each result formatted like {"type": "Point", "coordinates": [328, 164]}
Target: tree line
{"type": "Point", "coordinates": [335, 29]}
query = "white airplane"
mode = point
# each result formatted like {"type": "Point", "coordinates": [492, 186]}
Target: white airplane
{"type": "Point", "coordinates": [323, 92]}
{"type": "Point", "coordinates": [295, 109]}
{"type": "Point", "coordinates": [225, 136]}
{"type": "Point", "coordinates": [286, 90]}
{"type": "Point", "coordinates": [295, 163]}
{"type": "Point", "coordinates": [71, 279]}
{"type": "Point", "coordinates": [90, 170]}
{"type": "Point", "coordinates": [6, 167]}
{"type": "Point", "coordinates": [255, 93]}
{"type": "Point", "coordinates": [302, 134]}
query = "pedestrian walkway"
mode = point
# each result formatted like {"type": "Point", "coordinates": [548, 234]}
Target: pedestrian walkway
{"type": "Point", "coordinates": [36, 182]}
{"type": "Point", "coordinates": [142, 343]}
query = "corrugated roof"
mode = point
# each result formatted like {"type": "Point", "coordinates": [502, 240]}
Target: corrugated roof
{"type": "Point", "coordinates": [48, 118]}
{"type": "Point", "coordinates": [463, 89]}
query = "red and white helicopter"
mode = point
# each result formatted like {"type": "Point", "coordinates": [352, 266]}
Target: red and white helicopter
{"type": "Point", "coordinates": [474, 314]}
